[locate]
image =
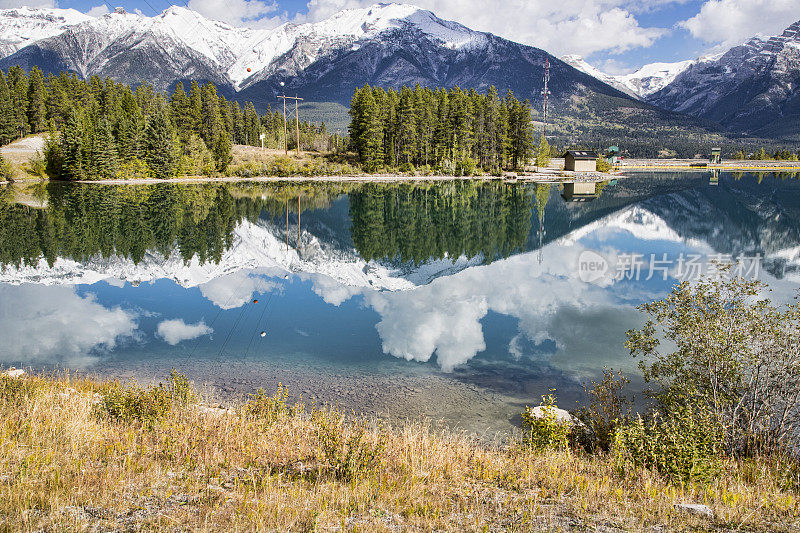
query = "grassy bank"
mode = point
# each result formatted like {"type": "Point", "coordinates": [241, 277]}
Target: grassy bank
{"type": "Point", "coordinates": [76, 453]}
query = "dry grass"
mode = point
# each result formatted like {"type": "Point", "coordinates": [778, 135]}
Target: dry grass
{"type": "Point", "coordinates": [65, 465]}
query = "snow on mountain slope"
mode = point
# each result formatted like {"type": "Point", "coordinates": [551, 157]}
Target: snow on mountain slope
{"type": "Point", "coordinates": [647, 80]}
{"type": "Point", "coordinates": [231, 50]}
{"type": "Point", "coordinates": [750, 89]}
{"type": "Point", "coordinates": [23, 26]}
{"type": "Point", "coordinates": [579, 63]}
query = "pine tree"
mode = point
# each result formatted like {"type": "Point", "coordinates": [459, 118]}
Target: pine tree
{"type": "Point", "coordinates": [104, 157]}
{"type": "Point", "coordinates": [7, 123]}
{"type": "Point", "coordinates": [406, 128]}
{"type": "Point", "coordinates": [72, 147]}
{"type": "Point", "coordinates": [543, 153]}
{"type": "Point", "coordinates": [159, 145]}
{"type": "Point", "coordinates": [37, 110]}
{"type": "Point", "coordinates": [222, 151]}
{"type": "Point", "coordinates": [181, 111]}
{"type": "Point", "coordinates": [210, 119]}
{"type": "Point", "coordinates": [18, 87]}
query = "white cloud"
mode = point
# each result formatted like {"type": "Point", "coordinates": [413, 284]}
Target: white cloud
{"type": "Point", "coordinates": [566, 27]}
{"type": "Point", "coordinates": [732, 22]}
{"type": "Point", "coordinates": [8, 4]}
{"type": "Point", "coordinates": [54, 325]}
{"type": "Point", "coordinates": [253, 13]}
{"type": "Point", "coordinates": [237, 288]}
{"type": "Point", "coordinates": [550, 302]}
{"type": "Point", "coordinates": [332, 291]}
{"type": "Point", "coordinates": [98, 11]}
{"type": "Point", "coordinates": [176, 331]}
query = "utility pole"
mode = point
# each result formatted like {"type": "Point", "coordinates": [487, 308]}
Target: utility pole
{"type": "Point", "coordinates": [545, 94]}
{"type": "Point", "coordinates": [297, 126]}
{"type": "Point", "coordinates": [297, 123]}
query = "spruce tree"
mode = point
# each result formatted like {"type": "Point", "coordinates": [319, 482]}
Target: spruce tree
{"type": "Point", "coordinates": [18, 87]}
{"type": "Point", "coordinates": [222, 151]}
{"type": "Point", "coordinates": [7, 121]}
{"type": "Point", "coordinates": [37, 110]}
{"type": "Point", "coordinates": [543, 153]}
{"type": "Point", "coordinates": [72, 146]}
{"type": "Point", "coordinates": [104, 159]}
{"type": "Point", "coordinates": [159, 145]}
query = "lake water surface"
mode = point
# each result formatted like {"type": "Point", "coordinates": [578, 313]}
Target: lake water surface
{"type": "Point", "coordinates": [461, 301]}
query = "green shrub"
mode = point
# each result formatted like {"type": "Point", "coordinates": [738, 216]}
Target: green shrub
{"type": "Point", "coordinates": [606, 410]}
{"type": "Point", "coordinates": [147, 406]}
{"type": "Point", "coordinates": [136, 404]}
{"type": "Point", "coordinates": [6, 170]}
{"type": "Point", "coordinates": [466, 167]}
{"type": "Point", "coordinates": [16, 391]}
{"type": "Point", "coordinates": [603, 165]}
{"type": "Point", "coordinates": [682, 445]}
{"type": "Point", "coordinates": [270, 409]}
{"type": "Point", "coordinates": [343, 448]}
{"type": "Point", "coordinates": [37, 166]}
{"type": "Point", "coordinates": [729, 352]}
{"type": "Point", "coordinates": [547, 431]}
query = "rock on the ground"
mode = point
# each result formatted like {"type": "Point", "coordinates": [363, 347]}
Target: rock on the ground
{"type": "Point", "coordinates": [562, 415]}
{"type": "Point", "coordinates": [14, 373]}
{"type": "Point", "coordinates": [695, 508]}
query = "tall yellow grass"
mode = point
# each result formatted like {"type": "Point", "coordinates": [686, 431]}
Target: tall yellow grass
{"type": "Point", "coordinates": [65, 465]}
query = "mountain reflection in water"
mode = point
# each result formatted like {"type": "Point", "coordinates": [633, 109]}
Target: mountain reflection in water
{"type": "Point", "coordinates": [415, 297]}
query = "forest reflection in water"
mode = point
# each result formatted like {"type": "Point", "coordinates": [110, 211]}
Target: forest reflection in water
{"type": "Point", "coordinates": [368, 286]}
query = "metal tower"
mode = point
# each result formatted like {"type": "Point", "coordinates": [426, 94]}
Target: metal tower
{"type": "Point", "coordinates": [545, 94]}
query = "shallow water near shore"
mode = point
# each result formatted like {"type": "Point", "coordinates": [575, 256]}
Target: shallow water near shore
{"type": "Point", "coordinates": [460, 301]}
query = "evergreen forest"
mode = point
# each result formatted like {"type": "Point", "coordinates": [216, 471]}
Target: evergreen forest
{"type": "Point", "coordinates": [450, 131]}
{"type": "Point", "coordinates": [101, 129]}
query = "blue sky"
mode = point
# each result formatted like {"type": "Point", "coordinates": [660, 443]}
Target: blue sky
{"type": "Point", "coordinates": [614, 35]}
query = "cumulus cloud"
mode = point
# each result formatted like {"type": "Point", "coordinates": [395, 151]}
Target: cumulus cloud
{"type": "Point", "coordinates": [732, 22]}
{"type": "Point", "coordinates": [54, 325]}
{"type": "Point", "coordinates": [567, 27]}
{"type": "Point", "coordinates": [176, 331]}
{"type": "Point", "coordinates": [444, 317]}
{"type": "Point", "coordinates": [8, 4]}
{"type": "Point", "coordinates": [236, 289]}
{"type": "Point", "coordinates": [332, 291]}
{"type": "Point", "coordinates": [253, 13]}
{"type": "Point", "coordinates": [98, 11]}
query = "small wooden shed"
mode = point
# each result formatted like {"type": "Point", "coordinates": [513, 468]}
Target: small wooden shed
{"type": "Point", "coordinates": [580, 160]}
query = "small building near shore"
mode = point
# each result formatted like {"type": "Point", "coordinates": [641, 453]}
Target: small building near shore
{"type": "Point", "coordinates": [580, 160]}
{"type": "Point", "coordinates": [579, 191]}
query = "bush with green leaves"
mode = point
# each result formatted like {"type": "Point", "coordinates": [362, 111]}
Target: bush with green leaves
{"type": "Point", "coordinates": [6, 170]}
{"type": "Point", "coordinates": [346, 449]}
{"type": "Point", "coordinates": [271, 408]}
{"type": "Point", "coordinates": [683, 445]}
{"type": "Point", "coordinates": [732, 354]}
{"type": "Point", "coordinates": [606, 410]}
{"type": "Point", "coordinates": [146, 405]}
{"type": "Point", "coordinates": [543, 428]}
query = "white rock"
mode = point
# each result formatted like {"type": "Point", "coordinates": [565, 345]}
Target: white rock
{"type": "Point", "coordinates": [540, 411]}
{"type": "Point", "coordinates": [695, 508]}
{"type": "Point", "coordinates": [14, 373]}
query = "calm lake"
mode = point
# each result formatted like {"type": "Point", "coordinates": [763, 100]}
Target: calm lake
{"type": "Point", "coordinates": [461, 301]}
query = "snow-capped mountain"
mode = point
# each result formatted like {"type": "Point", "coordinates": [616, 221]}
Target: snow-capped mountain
{"type": "Point", "coordinates": [579, 63]}
{"type": "Point", "coordinates": [642, 83]}
{"type": "Point", "coordinates": [23, 26]}
{"type": "Point", "coordinates": [750, 89]}
{"type": "Point", "coordinates": [389, 44]}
